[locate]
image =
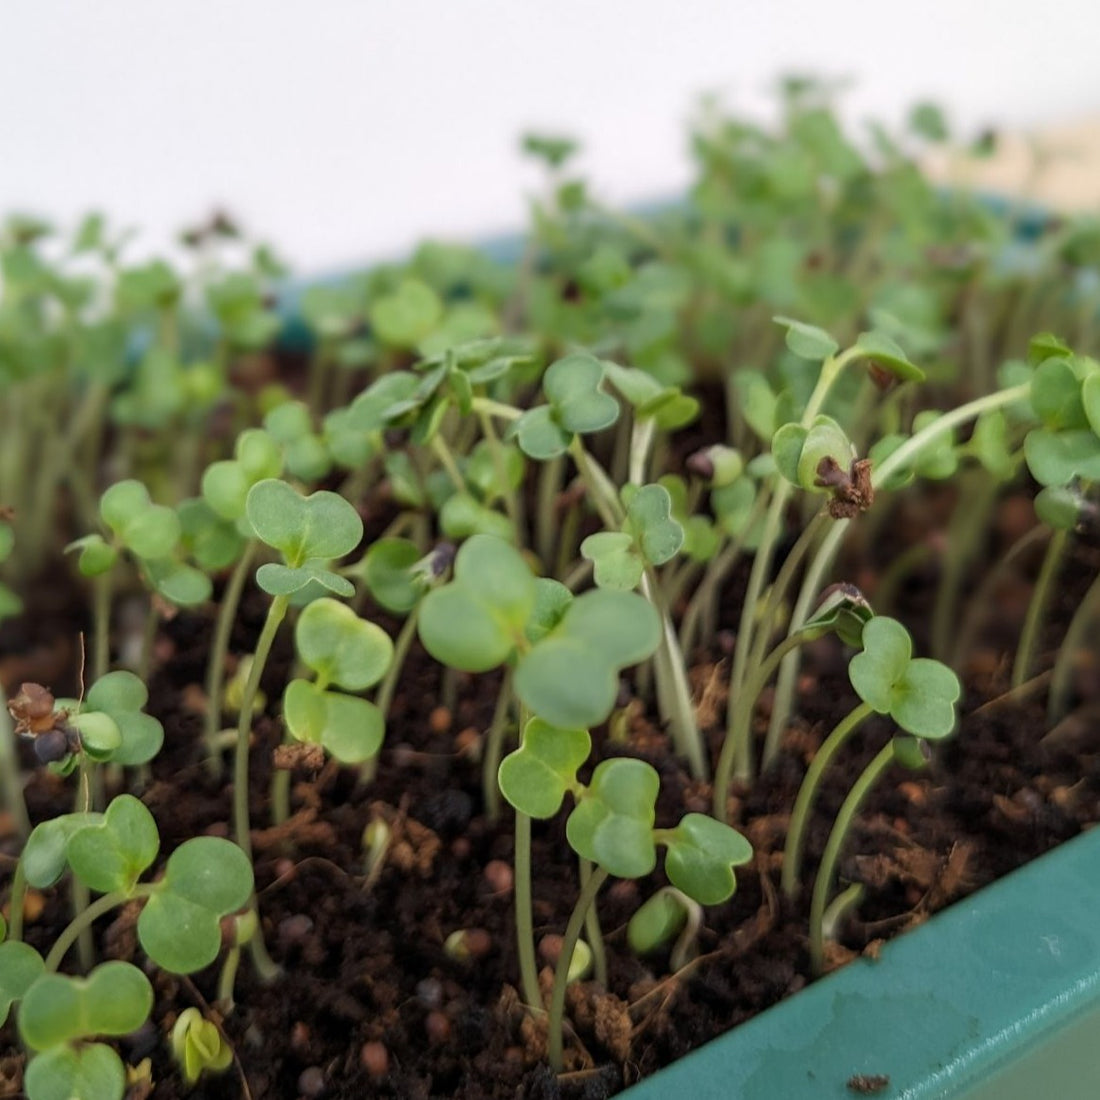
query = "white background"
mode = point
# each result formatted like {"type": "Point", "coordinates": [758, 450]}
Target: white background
{"type": "Point", "coordinates": [342, 130]}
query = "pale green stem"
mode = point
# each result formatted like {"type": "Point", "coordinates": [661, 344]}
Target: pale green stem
{"type": "Point", "coordinates": [81, 924]}
{"type": "Point", "coordinates": [826, 872]}
{"type": "Point", "coordinates": [219, 649]}
{"type": "Point", "coordinates": [1037, 608]}
{"type": "Point", "coordinates": [10, 774]}
{"type": "Point", "coordinates": [561, 972]}
{"type": "Point", "coordinates": [549, 486]}
{"type": "Point", "coordinates": [525, 923]}
{"type": "Point", "coordinates": [826, 552]}
{"type": "Point", "coordinates": [15, 902]}
{"type": "Point", "coordinates": [493, 750]}
{"type": "Point", "coordinates": [384, 698]}
{"type": "Point", "coordinates": [447, 461]}
{"type": "Point", "coordinates": [275, 615]}
{"type": "Point", "coordinates": [513, 503]}
{"type": "Point", "coordinates": [739, 718]}
{"type": "Point", "coordinates": [228, 978]}
{"type": "Point", "coordinates": [592, 928]}
{"type": "Point", "coordinates": [807, 794]}
{"type": "Point", "coordinates": [101, 610]}
{"type": "Point", "coordinates": [1072, 644]}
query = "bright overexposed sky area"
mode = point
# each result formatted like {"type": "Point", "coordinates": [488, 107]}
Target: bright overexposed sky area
{"type": "Point", "coordinates": [343, 130]}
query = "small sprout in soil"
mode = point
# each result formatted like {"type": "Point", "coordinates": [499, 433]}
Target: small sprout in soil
{"type": "Point", "coordinates": [198, 1046]}
{"type": "Point", "coordinates": [669, 916]}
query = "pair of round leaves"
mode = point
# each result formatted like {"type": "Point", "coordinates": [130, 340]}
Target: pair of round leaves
{"type": "Point", "coordinates": [347, 651]}
{"type": "Point", "coordinates": [111, 722]}
{"type": "Point", "coordinates": [918, 693]}
{"type": "Point", "coordinates": [308, 532]}
{"type": "Point", "coordinates": [799, 451]}
{"type": "Point", "coordinates": [650, 536]}
{"type": "Point", "coordinates": [226, 484]}
{"type": "Point", "coordinates": [613, 822]}
{"type": "Point", "coordinates": [569, 652]}
{"type": "Point", "coordinates": [577, 406]}
{"type": "Point", "coordinates": [205, 878]}
{"type": "Point", "coordinates": [810, 342]}
{"type": "Point", "coordinates": [59, 1012]}
{"type": "Point", "coordinates": [1065, 393]}
{"type": "Point", "coordinates": [149, 531]}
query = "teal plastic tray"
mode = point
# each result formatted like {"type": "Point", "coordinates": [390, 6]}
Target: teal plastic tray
{"type": "Point", "coordinates": [997, 998]}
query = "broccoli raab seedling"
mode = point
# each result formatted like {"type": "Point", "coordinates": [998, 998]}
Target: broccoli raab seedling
{"type": "Point", "coordinates": [602, 490]}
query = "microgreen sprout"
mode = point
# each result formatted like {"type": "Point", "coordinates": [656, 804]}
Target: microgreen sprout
{"type": "Point", "coordinates": [918, 693]}
{"type": "Point", "coordinates": [199, 1046]}
{"type": "Point", "coordinates": [668, 915]}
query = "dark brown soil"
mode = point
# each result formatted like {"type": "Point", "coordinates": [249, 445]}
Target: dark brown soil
{"type": "Point", "coordinates": [370, 1005]}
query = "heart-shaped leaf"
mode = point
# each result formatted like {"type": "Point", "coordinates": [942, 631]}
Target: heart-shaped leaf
{"type": "Point", "coordinates": [612, 825]}
{"type": "Point", "coordinates": [114, 999]}
{"type": "Point", "coordinates": [284, 580]}
{"type": "Point", "coordinates": [149, 530]}
{"type": "Point", "coordinates": [205, 879]}
{"type": "Point", "coordinates": [89, 1072]}
{"type": "Point", "coordinates": [179, 584]}
{"type": "Point", "coordinates": [884, 352]}
{"type": "Point", "coordinates": [617, 563]}
{"type": "Point", "coordinates": [572, 386]}
{"type": "Point", "coordinates": [1057, 457]}
{"type": "Point", "coordinates": [111, 854]}
{"type": "Point", "coordinates": [20, 967]}
{"type": "Point", "coordinates": [349, 729]}
{"type": "Point", "coordinates": [476, 622]}
{"type": "Point", "coordinates": [388, 572]}
{"type": "Point", "coordinates": [44, 857]}
{"type": "Point", "coordinates": [649, 520]}
{"type": "Point", "coordinates": [340, 647]}
{"type": "Point", "coordinates": [321, 526]}
{"type": "Point", "coordinates": [122, 695]}
{"type": "Point", "coordinates": [225, 484]}
{"type": "Point", "coordinates": [702, 853]}
{"type": "Point", "coordinates": [807, 341]}
{"type": "Point", "coordinates": [537, 775]}
{"type": "Point", "coordinates": [919, 694]}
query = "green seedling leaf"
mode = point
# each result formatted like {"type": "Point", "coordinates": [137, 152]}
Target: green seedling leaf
{"type": "Point", "coordinates": [113, 853]}
{"type": "Point", "coordinates": [115, 999]}
{"type": "Point", "coordinates": [462, 516]}
{"type": "Point", "coordinates": [884, 352]}
{"type": "Point", "coordinates": [205, 879]}
{"type": "Point", "coordinates": [282, 580]}
{"type": "Point", "coordinates": [617, 563]}
{"type": "Point", "coordinates": [89, 1072]}
{"type": "Point", "coordinates": [919, 694]}
{"type": "Point", "coordinates": [656, 922]}
{"type": "Point", "coordinates": [213, 541]}
{"type": "Point", "coordinates": [406, 316]}
{"type": "Point", "coordinates": [390, 574]}
{"type": "Point", "coordinates": [536, 777]}
{"type": "Point", "coordinates": [666, 405]}
{"type": "Point", "coordinates": [807, 341]}
{"type": "Point", "coordinates": [225, 484]}
{"type": "Point", "coordinates": [799, 452]}
{"type": "Point", "coordinates": [179, 584]}
{"type": "Point", "coordinates": [198, 1046]}
{"type": "Point", "coordinates": [478, 620]}
{"type": "Point", "coordinates": [571, 677]}
{"type": "Point", "coordinates": [1057, 457]}
{"type": "Point", "coordinates": [97, 556]}
{"type": "Point", "coordinates": [122, 696]}
{"type": "Point", "coordinates": [321, 526]}
{"type": "Point", "coordinates": [148, 530]}
{"type": "Point", "coordinates": [1045, 345]}
{"type": "Point", "coordinates": [348, 728]}
{"type": "Point", "coordinates": [20, 968]}
{"type": "Point", "coordinates": [650, 536]}
{"type": "Point", "coordinates": [340, 647]}
{"type": "Point", "coordinates": [99, 734]}
{"type": "Point", "coordinates": [702, 853]}
{"type": "Point", "coordinates": [577, 406]}
{"type": "Point", "coordinates": [552, 600]}
{"type": "Point", "coordinates": [44, 856]}
{"type": "Point", "coordinates": [1090, 399]}
{"type": "Point", "coordinates": [1057, 396]}
{"type": "Point", "coordinates": [989, 444]}
{"type": "Point", "coordinates": [844, 611]}
{"type": "Point", "coordinates": [482, 474]}
{"type": "Point", "coordinates": [612, 824]}
{"type": "Point", "coordinates": [1059, 507]}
